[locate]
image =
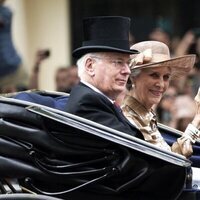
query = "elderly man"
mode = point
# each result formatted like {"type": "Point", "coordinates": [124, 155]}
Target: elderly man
{"type": "Point", "coordinates": [103, 68]}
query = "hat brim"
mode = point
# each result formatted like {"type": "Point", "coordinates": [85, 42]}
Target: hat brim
{"type": "Point", "coordinates": [77, 53]}
{"type": "Point", "coordinates": [180, 65]}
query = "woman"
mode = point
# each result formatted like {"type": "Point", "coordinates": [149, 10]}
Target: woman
{"type": "Point", "coordinates": [152, 71]}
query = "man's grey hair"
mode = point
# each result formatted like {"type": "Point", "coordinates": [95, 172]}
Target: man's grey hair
{"type": "Point", "coordinates": [81, 63]}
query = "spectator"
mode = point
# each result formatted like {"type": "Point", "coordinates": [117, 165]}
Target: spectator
{"type": "Point", "coordinates": [166, 107]}
{"type": "Point", "coordinates": [185, 111]}
{"type": "Point", "coordinates": [11, 70]}
{"type": "Point", "coordinates": [158, 34]}
{"type": "Point", "coordinates": [41, 55]}
{"type": "Point", "coordinates": [162, 31]}
{"type": "Point", "coordinates": [66, 78]}
{"type": "Point", "coordinates": [190, 43]}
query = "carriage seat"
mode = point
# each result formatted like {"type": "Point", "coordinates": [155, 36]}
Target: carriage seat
{"type": "Point", "coordinates": [51, 100]}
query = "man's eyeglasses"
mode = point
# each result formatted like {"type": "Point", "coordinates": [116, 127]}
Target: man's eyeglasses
{"type": "Point", "coordinates": [118, 63]}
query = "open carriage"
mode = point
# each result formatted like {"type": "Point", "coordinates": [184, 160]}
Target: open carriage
{"type": "Point", "coordinates": [46, 153]}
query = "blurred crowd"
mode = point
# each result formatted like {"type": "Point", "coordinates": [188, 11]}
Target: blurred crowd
{"type": "Point", "coordinates": [177, 107]}
{"type": "Point", "coordinates": [13, 76]}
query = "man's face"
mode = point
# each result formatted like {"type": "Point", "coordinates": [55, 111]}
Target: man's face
{"type": "Point", "coordinates": [111, 72]}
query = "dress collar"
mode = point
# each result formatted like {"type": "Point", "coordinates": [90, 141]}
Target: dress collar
{"type": "Point", "coordinates": [145, 115]}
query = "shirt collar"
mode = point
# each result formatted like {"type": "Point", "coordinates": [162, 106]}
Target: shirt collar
{"type": "Point", "coordinates": [97, 90]}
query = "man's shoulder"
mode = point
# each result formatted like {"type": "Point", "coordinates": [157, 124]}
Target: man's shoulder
{"type": "Point", "coordinates": [82, 96]}
{"type": "Point", "coordinates": [83, 91]}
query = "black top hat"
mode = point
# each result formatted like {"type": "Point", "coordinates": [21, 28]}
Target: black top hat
{"type": "Point", "coordinates": [105, 34]}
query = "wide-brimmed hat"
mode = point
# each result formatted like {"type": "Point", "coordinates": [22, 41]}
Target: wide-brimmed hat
{"type": "Point", "coordinates": [105, 34]}
{"type": "Point", "coordinates": [156, 54]}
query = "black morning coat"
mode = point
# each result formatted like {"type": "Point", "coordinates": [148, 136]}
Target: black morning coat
{"type": "Point", "coordinates": [87, 103]}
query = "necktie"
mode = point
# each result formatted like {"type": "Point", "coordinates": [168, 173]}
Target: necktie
{"type": "Point", "coordinates": [117, 106]}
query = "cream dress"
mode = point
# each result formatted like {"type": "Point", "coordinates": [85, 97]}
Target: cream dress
{"type": "Point", "coordinates": [146, 121]}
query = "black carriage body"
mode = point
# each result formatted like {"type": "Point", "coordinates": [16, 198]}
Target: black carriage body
{"type": "Point", "coordinates": [54, 153]}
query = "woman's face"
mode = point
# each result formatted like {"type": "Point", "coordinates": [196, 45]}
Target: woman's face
{"type": "Point", "coordinates": [150, 85]}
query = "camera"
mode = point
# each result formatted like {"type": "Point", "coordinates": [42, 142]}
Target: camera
{"type": "Point", "coordinates": [45, 53]}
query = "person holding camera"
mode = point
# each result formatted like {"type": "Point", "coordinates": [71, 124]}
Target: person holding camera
{"type": "Point", "coordinates": [41, 55]}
